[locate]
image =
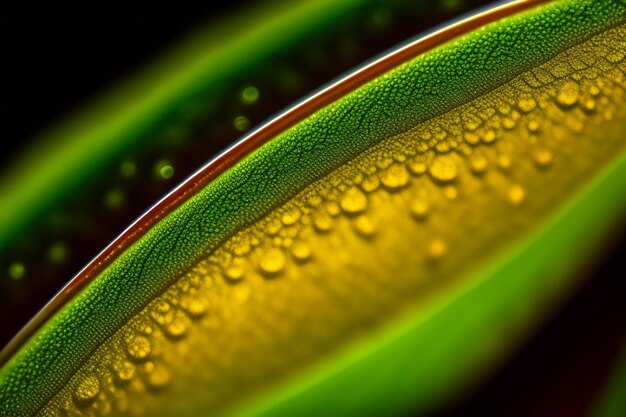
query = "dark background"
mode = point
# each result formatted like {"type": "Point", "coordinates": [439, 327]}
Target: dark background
{"type": "Point", "coordinates": [56, 55]}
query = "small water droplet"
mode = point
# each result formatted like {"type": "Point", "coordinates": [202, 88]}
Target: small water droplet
{"type": "Point", "coordinates": [291, 216]}
{"type": "Point", "coordinates": [504, 162]}
{"type": "Point", "coordinates": [527, 105]}
{"type": "Point", "coordinates": [158, 378]}
{"type": "Point", "coordinates": [365, 226]}
{"type": "Point", "coordinates": [138, 347]}
{"type": "Point", "coordinates": [124, 371]}
{"type": "Point", "coordinates": [568, 94]}
{"type": "Point", "coordinates": [353, 201]}
{"type": "Point", "coordinates": [178, 327]}
{"type": "Point", "coordinates": [589, 105]}
{"type": "Point", "coordinates": [516, 195]}
{"type": "Point", "coordinates": [471, 138]}
{"type": "Point", "coordinates": [478, 164]}
{"type": "Point", "coordinates": [87, 389]}
{"type": "Point", "coordinates": [437, 248]}
{"type": "Point", "coordinates": [194, 307]}
{"type": "Point", "coordinates": [234, 272]}
{"type": "Point", "coordinates": [249, 95]}
{"type": "Point", "coordinates": [451, 192]}
{"type": "Point", "coordinates": [332, 208]}
{"type": "Point", "coordinates": [417, 166]}
{"type": "Point", "coordinates": [322, 222]}
{"type": "Point", "coordinates": [370, 183]}
{"type": "Point", "coordinates": [543, 157]}
{"type": "Point", "coordinates": [443, 169]}
{"type": "Point", "coordinates": [395, 177]}
{"type": "Point", "coordinates": [533, 126]}
{"type": "Point", "coordinates": [419, 209]}
{"type": "Point", "coordinates": [301, 251]}
{"type": "Point", "coordinates": [17, 270]}
{"type": "Point", "coordinates": [241, 123]}
{"type": "Point", "coordinates": [164, 169]}
{"type": "Point", "coordinates": [273, 262]}
{"type": "Point", "coordinates": [489, 136]}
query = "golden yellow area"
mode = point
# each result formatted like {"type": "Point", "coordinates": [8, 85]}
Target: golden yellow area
{"type": "Point", "coordinates": [385, 233]}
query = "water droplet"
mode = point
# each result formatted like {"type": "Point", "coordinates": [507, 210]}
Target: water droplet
{"type": "Point", "coordinates": [370, 183]}
{"type": "Point", "coordinates": [178, 327]}
{"type": "Point", "coordinates": [158, 378]}
{"type": "Point", "coordinates": [450, 192]}
{"type": "Point", "coordinates": [516, 195]}
{"type": "Point", "coordinates": [365, 226]}
{"type": "Point", "coordinates": [249, 95]}
{"type": "Point", "coordinates": [87, 389]}
{"type": "Point", "coordinates": [478, 164]}
{"type": "Point", "coordinates": [568, 94]}
{"type": "Point", "coordinates": [443, 169]}
{"type": "Point", "coordinates": [332, 208]}
{"type": "Point", "coordinates": [417, 166]}
{"type": "Point", "coordinates": [395, 177]}
{"type": "Point", "coordinates": [471, 138]}
{"type": "Point", "coordinates": [124, 371]}
{"type": "Point", "coordinates": [533, 126]}
{"type": "Point", "coordinates": [234, 272]}
{"type": "Point", "coordinates": [589, 105]}
{"type": "Point", "coordinates": [527, 105]}
{"type": "Point", "coordinates": [241, 123]}
{"type": "Point", "coordinates": [273, 262]}
{"type": "Point", "coordinates": [194, 307]}
{"type": "Point", "coordinates": [437, 248]}
{"type": "Point", "coordinates": [17, 270]}
{"type": "Point", "coordinates": [508, 123]}
{"type": "Point", "coordinates": [301, 251]}
{"type": "Point", "coordinates": [419, 209]}
{"type": "Point", "coordinates": [504, 162]}
{"type": "Point", "coordinates": [489, 136]}
{"type": "Point", "coordinates": [164, 169]}
{"type": "Point", "coordinates": [291, 216]}
{"type": "Point", "coordinates": [322, 222]}
{"type": "Point", "coordinates": [543, 157]}
{"type": "Point", "coordinates": [138, 347]}
{"type": "Point", "coordinates": [273, 226]}
{"type": "Point", "coordinates": [353, 201]}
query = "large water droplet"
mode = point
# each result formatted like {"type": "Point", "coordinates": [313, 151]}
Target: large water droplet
{"type": "Point", "coordinates": [395, 177]}
{"type": "Point", "coordinates": [353, 201]}
{"type": "Point", "coordinates": [443, 169]}
{"type": "Point", "coordinates": [273, 262]}
{"type": "Point", "coordinates": [87, 389]}
{"type": "Point", "coordinates": [568, 94]}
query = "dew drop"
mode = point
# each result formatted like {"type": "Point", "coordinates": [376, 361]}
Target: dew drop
{"type": "Point", "coordinates": [533, 126]}
{"type": "Point", "coordinates": [437, 248]}
{"type": "Point", "coordinates": [417, 166]}
{"type": "Point", "coordinates": [177, 328]}
{"type": "Point", "coordinates": [516, 195]}
{"type": "Point", "coordinates": [527, 105]}
{"type": "Point", "coordinates": [241, 123]}
{"type": "Point", "coordinates": [543, 158]}
{"type": "Point", "coordinates": [353, 201]}
{"type": "Point", "coordinates": [158, 378]}
{"type": "Point", "coordinates": [365, 226]}
{"type": "Point", "coordinates": [249, 95]}
{"type": "Point", "coordinates": [87, 389]}
{"type": "Point", "coordinates": [443, 169]}
{"type": "Point", "coordinates": [234, 272]}
{"type": "Point", "coordinates": [291, 216]}
{"type": "Point", "coordinates": [17, 270]}
{"type": "Point", "coordinates": [451, 192]}
{"type": "Point", "coordinates": [471, 138]}
{"type": "Point", "coordinates": [273, 262]}
{"type": "Point", "coordinates": [124, 371]}
{"type": "Point", "coordinates": [322, 222]}
{"type": "Point", "coordinates": [504, 162]}
{"type": "Point", "coordinates": [301, 251]}
{"type": "Point", "coordinates": [419, 209]}
{"type": "Point", "coordinates": [370, 183]}
{"type": "Point", "coordinates": [138, 347]}
{"type": "Point", "coordinates": [395, 177]}
{"type": "Point", "coordinates": [193, 307]}
{"type": "Point", "coordinates": [589, 105]}
{"type": "Point", "coordinates": [489, 136]}
{"type": "Point", "coordinates": [568, 94]}
{"type": "Point", "coordinates": [478, 164]}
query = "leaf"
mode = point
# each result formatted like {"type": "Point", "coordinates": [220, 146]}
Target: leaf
{"type": "Point", "coordinates": [384, 250]}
